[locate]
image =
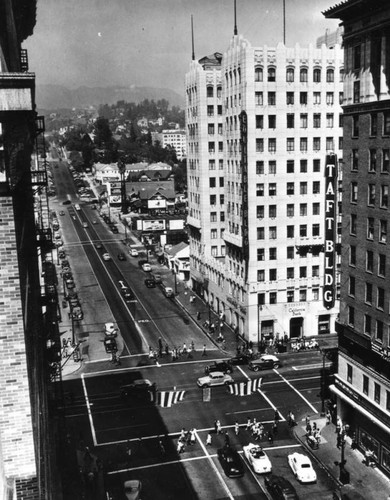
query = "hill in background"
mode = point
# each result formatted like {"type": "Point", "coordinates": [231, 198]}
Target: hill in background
{"type": "Point", "coordinates": [53, 97]}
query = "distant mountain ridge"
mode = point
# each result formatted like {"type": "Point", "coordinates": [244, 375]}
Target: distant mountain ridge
{"type": "Point", "coordinates": [52, 97]}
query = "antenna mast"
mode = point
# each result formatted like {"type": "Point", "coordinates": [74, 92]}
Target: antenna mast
{"type": "Point", "coordinates": [235, 18]}
{"type": "Point", "coordinates": [192, 36]}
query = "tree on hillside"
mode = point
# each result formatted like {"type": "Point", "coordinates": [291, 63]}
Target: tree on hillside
{"type": "Point", "coordinates": [103, 137]}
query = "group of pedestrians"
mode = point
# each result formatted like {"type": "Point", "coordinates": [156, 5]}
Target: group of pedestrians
{"type": "Point", "coordinates": [186, 438]}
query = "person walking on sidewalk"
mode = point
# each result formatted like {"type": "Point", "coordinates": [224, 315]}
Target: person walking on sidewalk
{"type": "Point", "coordinates": [204, 350]}
{"type": "Point", "coordinates": [208, 439]}
{"type": "Point", "coordinates": [236, 428]}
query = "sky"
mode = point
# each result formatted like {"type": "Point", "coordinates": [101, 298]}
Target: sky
{"type": "Point", "coordinates": [147, 43]}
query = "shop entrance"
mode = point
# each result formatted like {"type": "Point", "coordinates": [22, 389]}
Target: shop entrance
{"type": "Point", "coordinates": [296, 328]}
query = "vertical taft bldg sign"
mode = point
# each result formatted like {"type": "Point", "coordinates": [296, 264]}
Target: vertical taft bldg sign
{"type": "Point", "coordinates": [330, 231]}
{"type": "Point", "coordinates": [244, 185]}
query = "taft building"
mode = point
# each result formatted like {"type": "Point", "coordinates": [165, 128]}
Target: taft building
{"type": "Point", "coordinates": [260, 123]}
{"type": "Point", "coordinates": [362, 385]}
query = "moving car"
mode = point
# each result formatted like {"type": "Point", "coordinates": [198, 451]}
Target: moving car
{"type": "Point", "coordinates": [139, 388]}
{"type": "Point", "coordinates": [150, 283]}
{"type": "Point", "coordinates": [85, 224]}
{"type": "Point", "coordinates": [302, 468]}
{"type": "Point", "coordinates": [146, 267]}
{"type": "Point", "coordinates": [114, 229]}
{"type": "Point", "coordinates": [240, 359]}
{"type": "Point", "coordinates": [168, 291]}
{"type": "Point", "coordinates": [121, 256]}
{"type": "Point", "coordinates": [98, 246]}
{"type": "Point", "coordinates": [66, 202]}
{"type": "Point", "coordinates": [215, 378]}
{"type": "Point", "coordinates": [219, 366]}
{"type": "Point", "coordinates": [126, 292]}
{"type": "Point", "coordinates": [133, 252]}
{"type": "Point", "coordinates": [106, 256]}
{"type": "Point", "coordinates": [231, 462]}
{"type": "Point", "coordinates": [157, 278]}
{"type": "Point", "coordinates": [132, 489]}
{"type": "Point", "coordinates": [94, 221]}
{"type": "Point", "coordinates": [279, 488]}
{"type": "Point", "coordinates": [257, 458]}
{"type": "Point", "coordinates": [62, 212]}
{"type": "Point", "coordinates": [264, 362]}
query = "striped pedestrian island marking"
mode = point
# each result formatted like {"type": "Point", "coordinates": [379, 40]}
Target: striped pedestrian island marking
{"type": "Point", "coordinates": [166, 399]}
{"type": "Point", "coordinates": [245, 388]}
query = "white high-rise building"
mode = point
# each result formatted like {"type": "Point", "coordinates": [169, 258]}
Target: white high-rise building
{"type": "Point", "coordinates": [260, 122]}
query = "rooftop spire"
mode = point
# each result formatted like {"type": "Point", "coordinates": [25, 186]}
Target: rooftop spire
{"type": "Point", "coordinates": [192, 36]}
{"type": "Point", "coordinates": [235, 18]}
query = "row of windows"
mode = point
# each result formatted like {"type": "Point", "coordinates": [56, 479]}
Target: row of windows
{"type": "Point", "coordinates": [303, 74]}
{"type": "Point", "coordinates": [291, 295]}
{"type": "Point", "coordinates": [290, 98]}
{"type": "Point", "coordinates": [290, 188]}
{"type": "Point", "coordinates": [367, 384]}
{"type": "Point", "coordinates": [213, 182]}
{"type": "Point", "coordinates": [369, 294]}
{"type": "Point", "coordinates": [303, 231]}
{"type": "Point", "coordinates": [290, 271]}
{"type": "Point", "coordinates": [290, 166]}
{"type": "Point", "coordinates": [373, 226]}
{"type": "Point", "coordinates": [303, 121]}
{"type": "Point", "coordinates": [374, 126]}
{"type": "Point", "coordinates": [374, 160]}
{"type": "Point", "coordinates": [290, 210]}
{"type": "Point", "coordinates": [371, 194]}
{"type": "Point", "coordinates": [303, 144]}
{"type": "Point", "coordinates": [369, 264]}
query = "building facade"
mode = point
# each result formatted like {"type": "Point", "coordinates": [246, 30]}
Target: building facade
{"type": "Point", "coordinates": [362, 385]}
{"type": "Point", "coordinates": [28, 467]}
{"type": "Point", "coordinates": [177, 140]}
{"type": "Point", "coordinates": [260, 122]}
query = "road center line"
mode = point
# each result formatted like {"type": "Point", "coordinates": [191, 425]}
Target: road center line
{"type": "Point", "coordinates": [89, 410]}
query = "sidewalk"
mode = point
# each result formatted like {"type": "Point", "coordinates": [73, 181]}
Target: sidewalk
{"type": "Point", "coordinates": [368, 481]}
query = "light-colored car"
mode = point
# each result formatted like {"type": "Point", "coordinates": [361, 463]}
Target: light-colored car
{"type": "Point", "coordinates": [302, 468]}
{"type": "Point", "coordinates": [147, 267]}
{"type": "Point", "coordinates": [110, 330]}
{"type": "Point", "coordinates": [257, 458]}
{"type": "Point", "coordinates": [85, 224]}
{"type": "Point", "coordinates": [106, 256]}
{"type": "Point", "coordinates": [133, 489]}
{"type": "Point", "coordinates": [133, 252]}
{"type": "Point", "coordinates": [215, 378]}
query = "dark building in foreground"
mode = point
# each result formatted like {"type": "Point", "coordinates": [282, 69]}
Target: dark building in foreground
{"type": "Point", "coordinates": [27, 467]}
{"type": "Point", "coordinates": [362, 385]}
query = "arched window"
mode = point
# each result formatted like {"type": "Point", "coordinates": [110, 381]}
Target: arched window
{"type": "Point", "coordinates": [210, 91]}
{"type": "Point", "coordinates": [290, 75]}
{"type": "Point", "coordinates": [258, 74]}
{"type": "Point", "coordinates": [271, 74]}
{"type": "Point", "coordinates": [330, 75]}
{"type": "Point", "coordinates": [303, 75]}
{"type": "Point", "coordinates": [219, 91]}
{"type": "Point", "coordinates": [316, 75]}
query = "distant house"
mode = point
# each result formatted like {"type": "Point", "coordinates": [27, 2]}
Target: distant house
{"type": "Point", "coordinates": [151, 197]}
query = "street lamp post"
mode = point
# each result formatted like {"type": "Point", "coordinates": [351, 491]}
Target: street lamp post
{"type": "Point", "coordinates": [174, 274]}
{"type": "Point", "coordinates": [323, 384]}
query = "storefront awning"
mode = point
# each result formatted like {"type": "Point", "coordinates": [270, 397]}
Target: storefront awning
{"type": "Point", "coordinates": [355, 405]}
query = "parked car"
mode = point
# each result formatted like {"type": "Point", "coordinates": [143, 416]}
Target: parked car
{"type": "Point", "coordinates": [302, 468]}
{"type": "Point", "coordinates": [230, 461]}
{"type": "Point", "coordinates": [64, 263]}
{"type": "Point", "coordinates": [94, 221]}
{"type": "Point", "coordinates": [62, 254]}
{"type": "Point", "coordinates": [146, 267]}
{"type": "Point", "coordinates": [280, 488]}
{"type": "Point", "coordinates": [141, 262]}
{"type": "Point", "coordinates": [66, 202]}
{"type": "Point", "coordinates": [219, 366]}
{"type": "Point", "coordinates": [132, 489]}
{"type": "Point", "coordinates": [114, 229]}
{"type": "Point", "coordinates": [110, 330]}
{"type": "Point", "coordinates": [168, 291]}
{"type": "Point", "coordinates": [240, 359]}
{"type": "Point", "coordinates": [70, 284]}
{"type": "Point", "coordinates": [264, 362]}
{"type": "Point", "coordinates": [121, 256]}
{"type": "Point", "coordinates": [150, 283]}
{"type": "Point", "coordinates": [110, 345]}
{"type": "Point", "coordinates": [133, 252]}
{"type": "Point", "coordinates": [257, 458]}
{"type": "Point", "coordinates": [106, 256]}
{"type": "Point", "coordinates": [77, 313]}
{"type": "Point", "coordinates": [62, 212]}
{"type": "Point", "coordinates": [157, 278]}
{"type": "Point", "coordinates": [215, 378]}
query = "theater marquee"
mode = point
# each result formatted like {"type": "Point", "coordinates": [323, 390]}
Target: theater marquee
{"type": "Point", "coordinates": [330, 231]}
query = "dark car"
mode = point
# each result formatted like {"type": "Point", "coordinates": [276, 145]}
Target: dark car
{"type": "Point", "coordinates": [150, 283]}
{"type": "Point", "coordinates": [264, 362]}
{"type": "Point", "coordinates": [110, 345]}
{"type": "Point", "coordinates": [219, 366]}
{"type": "Point", "coordinates": [231, 462]}
{"type": "Point", "coordinates": [280, 488]}
{"type": "Point", "coordinates": [65, 263]}
{"type": "Point", "coordinates": [240, 359]}
{"type": "Point", "coordinates": [139, 388]}
{"type": "Point", "coordinates": [114, 229]}
{"type": "Point", "coordinates": [121, 256]}
{"type": "Point", "coordinates": [127, 294]}
{"type": "Point", "coordinates": [66, 202]}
